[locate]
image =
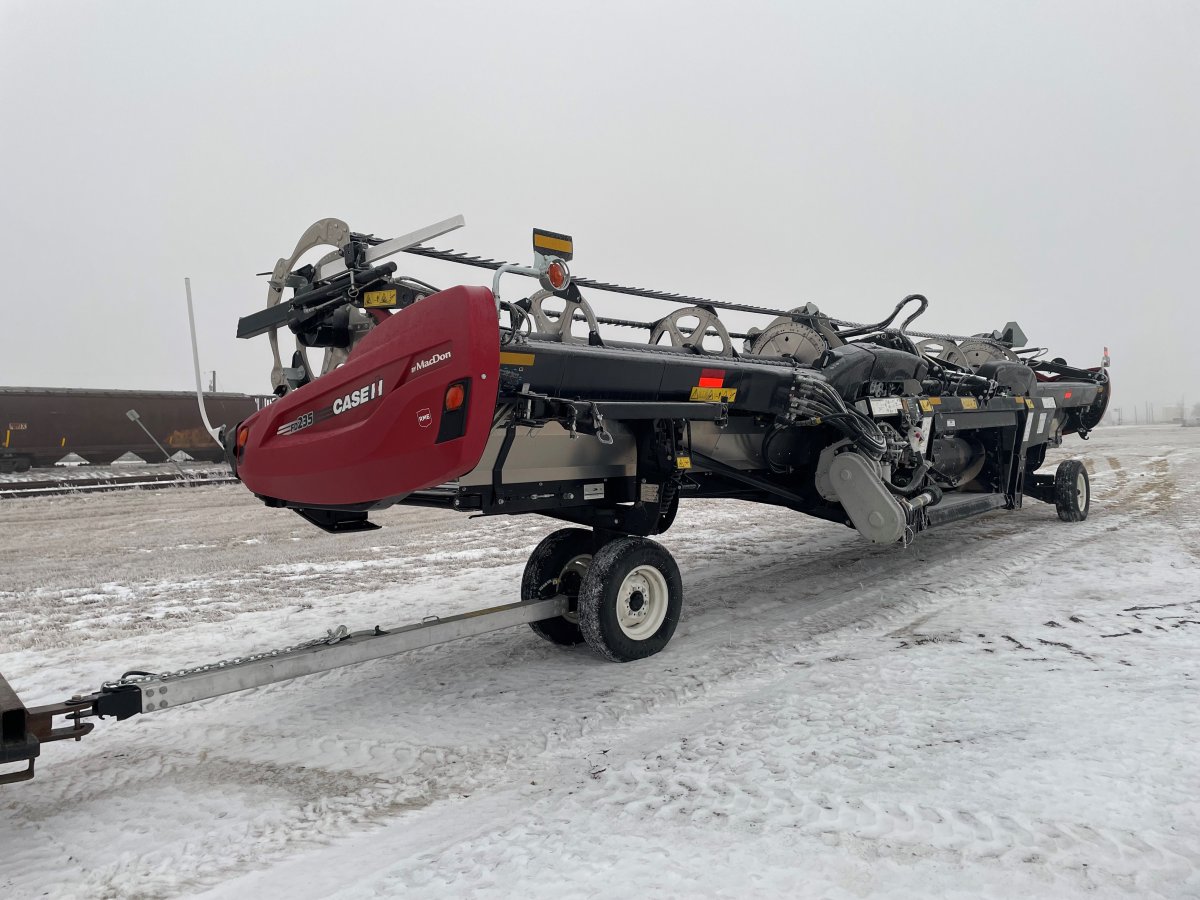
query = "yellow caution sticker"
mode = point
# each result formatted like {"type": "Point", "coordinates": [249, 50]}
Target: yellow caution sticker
{"type": "Point", "coordinates": [516, 359]}
{"type": "Point", "coordinates": [1029, 402]}
{"type": "Point", "coordinates": [683, 462]}
{"type": "Point", "coordinates": [970, 403]}
{"type": "Point", "coordinates": [926, 405]}
{"type": "Point", "coordinates": [714, 394]}
{"type": "Point", "coordinates": [379, 299]}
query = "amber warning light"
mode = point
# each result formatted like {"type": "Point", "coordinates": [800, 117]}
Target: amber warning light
{"type": "Point", "coordinates": [455, 395]}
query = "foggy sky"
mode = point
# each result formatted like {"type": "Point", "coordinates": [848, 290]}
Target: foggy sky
{"type": "Point", "coordinates": [1032, 161]}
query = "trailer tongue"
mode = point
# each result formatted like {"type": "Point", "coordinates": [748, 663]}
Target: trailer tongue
{"type": "Point", "coordinates": [458, 399]}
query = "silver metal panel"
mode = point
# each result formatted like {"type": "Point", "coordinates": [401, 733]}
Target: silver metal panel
{"type": "Point", "coordinates": [551, 454]}
{"type": "Point", "coordinates": [164, 692]}
{"type": "Point", "coordinates": [738, 444]}
{"type": "Point", "coordinates": [874, 511]}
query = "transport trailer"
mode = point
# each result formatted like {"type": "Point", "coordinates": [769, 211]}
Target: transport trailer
{"type": "Point", "coordinates": [462, 400]}
{"type": "Point", "coordinates": [42, 425]}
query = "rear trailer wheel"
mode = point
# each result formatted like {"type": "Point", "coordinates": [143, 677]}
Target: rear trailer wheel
{"type": "Point", "coordinates": [1072, 491]}
{"type": "Point", "coordinates": [630, 600]}
{"type": "Point", "coordinates": [557, 566]}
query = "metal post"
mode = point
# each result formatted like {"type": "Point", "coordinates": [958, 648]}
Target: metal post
{"type": "Point", "coordinates": [187, 286]}
{"type": "Point", "coordinates": [133, 416]}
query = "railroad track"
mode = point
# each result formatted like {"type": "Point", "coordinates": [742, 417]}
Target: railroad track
{"type": "Point", "coordinates": [145, 481]}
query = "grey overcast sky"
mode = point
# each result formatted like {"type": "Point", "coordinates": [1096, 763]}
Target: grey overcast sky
{"type": "Point", "coordinates": [1034, 161]}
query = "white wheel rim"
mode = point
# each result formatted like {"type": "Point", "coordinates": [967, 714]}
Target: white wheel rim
{"type": "Point", "coordinates": [579, 565]}
{"type": "Point", "coordinates": [1081, 490]}
{"type": "Point", "coordinates": [642, 603]}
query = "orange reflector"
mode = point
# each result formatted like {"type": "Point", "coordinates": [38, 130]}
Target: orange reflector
{"type": "Point", "coordinates": [557, 275]}
{"type": "Point", "coordinates": [455, 395]}
{"type": "Point", "coordinates": [1067, 395]}
{"type": "Point", "coordinates": [243, 435]}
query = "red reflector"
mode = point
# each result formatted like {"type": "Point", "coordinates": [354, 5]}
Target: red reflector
{"type": "Point", "coordinates": [1067, 395]}
{"type": "Point", "coordinates": [712, 378]}
{"type": "Point", "coordinates": [455, 395]}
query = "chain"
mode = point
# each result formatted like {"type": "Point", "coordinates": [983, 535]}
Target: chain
{"type": "Point", "coordinates": [332, 636]}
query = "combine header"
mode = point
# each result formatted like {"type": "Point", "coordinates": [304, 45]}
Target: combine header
{"type": "Point", "coordinates": [462, 400]}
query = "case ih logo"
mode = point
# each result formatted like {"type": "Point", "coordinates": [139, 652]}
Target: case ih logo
{"type": "Point", "coordinates": [424, 417]}
{"type": "Point", "coordinates": [432, 361]}
{"type": "Point", "coordinates": [352, 400]}
{"type": "Point", "coordinates": [358, 398]}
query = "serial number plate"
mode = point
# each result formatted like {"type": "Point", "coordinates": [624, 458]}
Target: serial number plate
{"type": "Point", "coordinates": [886, 406]}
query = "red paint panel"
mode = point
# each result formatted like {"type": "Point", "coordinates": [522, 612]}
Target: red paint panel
{"type": "Point", "coordinates": [712, 378]}
{"type": "Point", "coordinates": [365, 445]}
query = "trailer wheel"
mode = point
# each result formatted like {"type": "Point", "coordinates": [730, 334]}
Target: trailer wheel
{"type": "Point", "coordinates": [557, 566]}
{"type": "Point", "coordinates": [630, 600]}
{"type": "Point", "coordinates": [1072, 491]}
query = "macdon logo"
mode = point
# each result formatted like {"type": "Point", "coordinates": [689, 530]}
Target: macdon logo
{"type": "Point", "coordinates": [358, 398]}
{"type": "Point", "coordinates": [432, 361]}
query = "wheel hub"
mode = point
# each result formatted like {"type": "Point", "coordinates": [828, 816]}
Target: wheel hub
{"type": "Point", "coordinates": [569, 581]}
{"type": "Point", "coordinates": [642, 603]}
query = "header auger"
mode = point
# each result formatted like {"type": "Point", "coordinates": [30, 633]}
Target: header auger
{"type": "Point", "coordinates": [462, 400]}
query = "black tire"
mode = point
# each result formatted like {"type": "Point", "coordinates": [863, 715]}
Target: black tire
{"type": "Point", "coordinates": [1072, 491]}
{"type": "Point", "coordinates": [554, 568]}
{"type": "Point", "coordinates": [628, 576]}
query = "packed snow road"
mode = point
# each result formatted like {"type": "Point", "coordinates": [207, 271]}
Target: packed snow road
{"type": "Point", "coordinates": [1008, 707]}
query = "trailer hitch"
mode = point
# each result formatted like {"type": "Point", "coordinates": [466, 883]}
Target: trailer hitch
{"type": "Point", "coordinates": [23, 730]}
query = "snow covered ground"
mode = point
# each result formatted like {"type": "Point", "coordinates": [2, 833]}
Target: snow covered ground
{"type": "Point", "coordinates": [1009, 707]}
{"type": "Point", "coordinates": [124, 470]}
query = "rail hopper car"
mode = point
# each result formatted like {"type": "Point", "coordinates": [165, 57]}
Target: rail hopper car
{"type": "Point", "coordinates": [464, 400]}
{"type": "Point", "coordinates": [40, 426]}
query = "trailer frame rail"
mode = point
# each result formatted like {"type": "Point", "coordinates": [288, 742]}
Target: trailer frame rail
{"type": "Point", "coordinates": [23, 730]}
